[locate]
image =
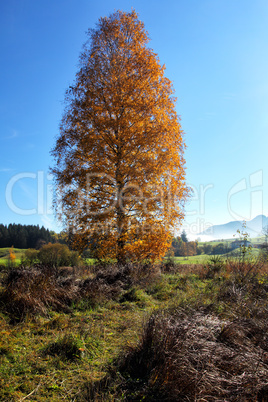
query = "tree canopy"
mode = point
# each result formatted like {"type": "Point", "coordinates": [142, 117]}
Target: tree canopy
{"type": "Point", "coordinates": [119, 165]}
{"type": "Point", "coordinates": [184, 236]}
{"type": "Point", "coordinates": [24, 236]}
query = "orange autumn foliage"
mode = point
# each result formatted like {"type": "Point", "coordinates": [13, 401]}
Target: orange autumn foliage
{"type": "Point", "coordinates": [12, 256]}
{"type": "Point", "coordinates": [119, 166]}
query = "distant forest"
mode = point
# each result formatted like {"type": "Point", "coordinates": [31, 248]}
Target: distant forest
{"type": "Point", "coordinates": [25, 236]}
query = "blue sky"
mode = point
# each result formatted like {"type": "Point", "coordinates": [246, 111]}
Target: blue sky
{"type": "Point", "coordinates": [216, 54]}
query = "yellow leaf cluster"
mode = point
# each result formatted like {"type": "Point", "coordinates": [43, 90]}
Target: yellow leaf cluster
{"type": "Point", "coordinates": [12, 256]}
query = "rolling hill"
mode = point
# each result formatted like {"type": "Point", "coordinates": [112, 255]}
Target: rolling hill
{"type": "Point", "coordinates": [254, 228]}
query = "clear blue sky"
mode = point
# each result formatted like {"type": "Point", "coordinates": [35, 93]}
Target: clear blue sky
{"type": "Point", "coordinates": [216, 54]}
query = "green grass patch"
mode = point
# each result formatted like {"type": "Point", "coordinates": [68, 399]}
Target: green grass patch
{"type": "Point", "coordinates": [195, 259]}
{"type": "Point", "coordinates": [4, 255]}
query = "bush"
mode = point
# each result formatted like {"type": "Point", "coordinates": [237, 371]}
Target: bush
{"type": "Point", "coordinates": [244, 270]}
{"type": "Point", "coordinates": [57, 255]}
{"type": "Point", "coordinates": [213, 267]}
{"type": "Point", "coordinates": [169, 265]}
{"type": "Point", "coordinates": [30, 257]}
{"type": "Point", "coordinates": [51, 255]}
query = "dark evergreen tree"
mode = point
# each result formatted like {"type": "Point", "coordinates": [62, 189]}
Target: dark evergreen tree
{"type": "Point", "coordinates": [24, 236]}
{"type": "Point", "coordinates": [184, 237]}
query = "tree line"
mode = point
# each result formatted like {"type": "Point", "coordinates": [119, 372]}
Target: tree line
{"type": "Point", "coordinates": [25, 236]}
{"type": "Point", "coordinates": [181, 247]}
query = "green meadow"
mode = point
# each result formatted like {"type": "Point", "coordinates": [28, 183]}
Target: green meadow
{"type": "Point", "coordinates": [138, 332]}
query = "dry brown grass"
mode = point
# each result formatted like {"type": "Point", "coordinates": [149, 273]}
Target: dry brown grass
{"type": "Point", "coordinates": [35, 290]}
{"type": "Point", "coordinates": [244, 271]}
{"type": "Point", "coordinates": [264, 269]}
{"type": "Point", "coordinates": [193, 356]}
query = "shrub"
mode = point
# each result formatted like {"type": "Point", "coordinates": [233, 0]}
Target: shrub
{"type": "Point", "coordinates": [51, 255]}
{"type": "Point", "coordinates": [213, 266]}
{"type": "Point", "coordinates": [30, 257]}
{"type": "Point", "coordinates": [57, 255]}
{"type": "Point", "coordinates": [246, 298]}
{"type": "Point", "coordinates": [169, 265]}
{"type": "Point", "coordinates": [11, 258]}
{"type": "Point", "coordinates": [244, 271]}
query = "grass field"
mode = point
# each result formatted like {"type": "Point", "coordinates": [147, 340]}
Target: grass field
{"type": "Point", "coordinates": [195, 259]}
{"type": "Point", "coordinates": [203, 258]}
{"type": "Point", "coordinates": [62, 337]}
{"type": "Point", "coordinates": [4, 255]}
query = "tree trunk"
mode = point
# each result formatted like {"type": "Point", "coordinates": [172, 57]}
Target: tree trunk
{"type": "Point", "coordinates": [121, 231]}
{"type": "Point", "coordinates": [120, 213]}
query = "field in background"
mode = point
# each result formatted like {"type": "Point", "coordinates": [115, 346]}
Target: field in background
{"type": "Point", "coordinates": [203, 258]}
{"type": "Point", "coordinates": [196, 259]}
{"type": "Point", "coordinates": [5, 252]}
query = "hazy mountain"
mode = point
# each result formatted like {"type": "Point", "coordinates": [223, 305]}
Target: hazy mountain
{"type": "Point", "coordinates": [226, 231]}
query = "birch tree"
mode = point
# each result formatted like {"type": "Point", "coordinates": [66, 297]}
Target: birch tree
{"type": "Point", "coordinates": [119, 158]}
